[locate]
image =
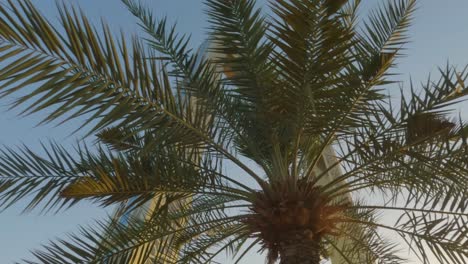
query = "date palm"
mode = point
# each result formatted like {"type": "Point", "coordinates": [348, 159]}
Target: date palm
{"type": "Point", "coordinates": [284, 139]}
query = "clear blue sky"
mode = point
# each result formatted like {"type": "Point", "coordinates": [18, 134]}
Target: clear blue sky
{"type": "Point", "coordinates": [439, 34]}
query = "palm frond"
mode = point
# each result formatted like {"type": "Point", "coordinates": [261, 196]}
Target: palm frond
{"type": "Point", "coordinates": [194, 73]}
{"type": "Point", "coordinates": [395, 147]}
{"type": "Point", "coordinates": [105, 242]}
{"type": "Point", "coordinates": [156, 238]}
{"type": "Point", "coordinates": [365, 245]}
{"type": "Point", "coordinates": [99, 77]}
{"type": "Point", "coordinates": [442, 235]}
{"type": "Point", "coordinates": [199, 77]}
{"type": "Point", "coordinates": [386, 31]}
{"type": "Point", "coordinates": [171, 173]}
{"type": "Point", "coordinates": [26, 175]}
{"type": "Point", "coordinates": [238, 35]}
{"type": "Point", "coordinates": [242, 51]}
{"type": "Point", "coordinates": [383, 38]}
{"type": "Point", "coordinates": [85, 77]}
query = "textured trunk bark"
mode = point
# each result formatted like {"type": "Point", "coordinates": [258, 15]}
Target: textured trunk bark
{"type": "Point", "coordinates": [300, 249]}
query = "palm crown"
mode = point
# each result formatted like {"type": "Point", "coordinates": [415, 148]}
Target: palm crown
{"type": "Point", "coordinates": [300, 93]}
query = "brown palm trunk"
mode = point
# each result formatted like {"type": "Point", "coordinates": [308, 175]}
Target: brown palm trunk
{"type": "Point", "coordinates": [300, 249]}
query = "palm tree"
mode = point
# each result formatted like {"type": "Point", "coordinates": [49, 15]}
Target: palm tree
{"type": "Point", "coordinates": [296, 100]}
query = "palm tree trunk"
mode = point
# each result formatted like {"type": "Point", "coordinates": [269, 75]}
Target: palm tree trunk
{"type": "Point", "coordinates": [300, 249]}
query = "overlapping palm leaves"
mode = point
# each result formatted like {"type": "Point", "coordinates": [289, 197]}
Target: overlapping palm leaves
{"type": "Point", "coordinates": [281, 91]}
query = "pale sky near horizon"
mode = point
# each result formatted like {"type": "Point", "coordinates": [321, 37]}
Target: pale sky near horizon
{"type": "Point", "coordinates": [439, 34]}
